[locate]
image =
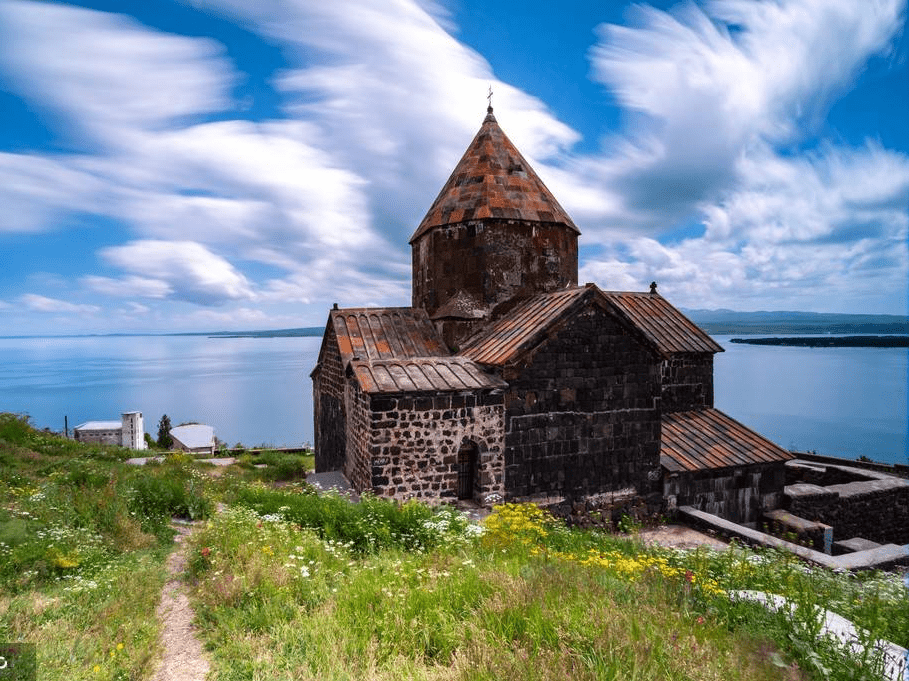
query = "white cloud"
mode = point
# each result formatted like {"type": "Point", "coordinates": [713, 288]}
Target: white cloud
{"type": "Point", "coordinates": [712, 85]}
{"type": "Point", "coordinates": [725, 97]}
{"type": "Point", "coordinates": [106, 73]}
{"type": "Point", "coordinates": [395, 98]}
{"type": "Point", "coordinates": [36, 190]}
{"type": "Point", "coordinates": [382, 100]}
{"type": "Point", "coordinates": [187, 269]}
{"type": "Point", "coordinates": [38, 303]}
{"type": "Point", "coordinates": [128, 287]}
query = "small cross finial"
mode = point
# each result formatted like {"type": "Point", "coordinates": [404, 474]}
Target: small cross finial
{"type": "Point", "coordinates": [653, 287]}
{"type": "Point", "coordinates": [489, 99]}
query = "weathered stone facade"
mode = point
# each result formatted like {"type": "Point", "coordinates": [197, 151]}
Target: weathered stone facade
{"type": "Point", "coordinates": [506, 380]}
{"type": "Point", "coordinates": [414, 443]}
{"type": "Point", "coordinates": [741, 494]}
{"type": "Point", "coordinates": [687, 382]}
{"type": "Point", "coordinates": [583, 413]}
{"type": "Point", "coordinates": [492, 261]}
{"type": "Point", "coordinates": [328, 397]}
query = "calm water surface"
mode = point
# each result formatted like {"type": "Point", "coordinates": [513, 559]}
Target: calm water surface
{"type": "Point", "coordinates": [838, 401]}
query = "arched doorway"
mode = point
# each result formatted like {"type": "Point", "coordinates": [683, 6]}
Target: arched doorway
{"type": "Point", "coordinates": [468, 455]}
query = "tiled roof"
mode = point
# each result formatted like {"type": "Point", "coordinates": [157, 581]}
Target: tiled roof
{"type": "Point", "coordinates": [397, 350]}
{"type": "Point", "coordinates": [708, 438]}
{"type": "Point", "coordinates": [492, 180]}
{"type": "Point", "coordinates": [664, 326]}
{"type": "Point", "coordinates": [427, 374]}
{"type": "Point", "coordinates": [507, 338]}
{"type": "Point", "coordinates": [657, 322]}
{"type": "Point", "coordinates": [372, 333]}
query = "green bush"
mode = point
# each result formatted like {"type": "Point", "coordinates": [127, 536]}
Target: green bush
{"type": "Point", "coordinates": [368, 526]}
{"type": "Point", "coordinates": [283, 466]}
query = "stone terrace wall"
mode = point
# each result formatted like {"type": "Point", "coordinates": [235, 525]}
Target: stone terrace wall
{"type": "Point", "coordinates": [328, 406]}
{"type": "Point", "coordinates": [584, 416]}
{"type": "Point", "coordinates": [415, 441]}
{"type": "Point", "coordinates": [687, 382]}
{"type": "Point", "coordinates": [739, 494]}
{"type": "Point", "coordinates": [874, 509]}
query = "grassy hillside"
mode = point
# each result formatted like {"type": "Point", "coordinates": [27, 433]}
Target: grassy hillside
{"type": "Point", "coordinates": [287, 584]}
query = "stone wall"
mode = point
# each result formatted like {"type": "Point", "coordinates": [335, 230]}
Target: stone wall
{"type": "Point", "coordinates": [876, 509]}
{"type": "Point", "coordinates": [583, 415]}
{"type": "Point", "coordinates": [413, 449]}
{"type": "Point", "coordinates": [740, 494]}
{"type": "Point", "coordinates": [687, 382]}
{"type": "Point", "coordinates": [492, 261]}
{"type": "Point", "coordinates": [328, 406]}
{"type": "Point", "coordinates": [357, 464]}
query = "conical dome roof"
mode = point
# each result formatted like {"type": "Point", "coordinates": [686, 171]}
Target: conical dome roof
{"type": "Point", "coordinates": [493, 181]}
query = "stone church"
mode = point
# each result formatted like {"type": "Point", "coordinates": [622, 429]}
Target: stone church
{"type": "Point", "coordinates": [507, 380]}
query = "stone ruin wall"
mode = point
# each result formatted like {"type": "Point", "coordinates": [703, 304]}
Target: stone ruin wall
{"type": "Point", "coordinates": [583, 416]}
{"type": "Point", "coordinates": [414, 443]}
{"type": "Point", "coordinates": [740, 494]}
{"type": "Point", "coordinates": [874, 509]}
{"type": "Point", "coordinates": [687, 382]}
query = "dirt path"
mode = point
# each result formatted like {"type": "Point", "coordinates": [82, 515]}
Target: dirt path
{"type": "Point", "coordinates": [184, 658]}
{"type": "Point", "coordinates": [680, 537]}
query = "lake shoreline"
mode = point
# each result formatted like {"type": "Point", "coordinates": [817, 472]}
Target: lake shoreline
{"type": "Point", "coordinates": [829, 341]}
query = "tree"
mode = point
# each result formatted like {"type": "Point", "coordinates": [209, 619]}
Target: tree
{"type": "Point", "coordinates": [165, 441]}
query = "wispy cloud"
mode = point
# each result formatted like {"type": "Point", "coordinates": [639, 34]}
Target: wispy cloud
{"type": "Point", "coordinates": [723, 128]}
{"type": "Point", "coordinates": [728, 103]}
{"type": "Point", "coordinates": [38, 303]}
{"type": "Point", "coordinates": [184, 270]}
{"type": "Point", "coordinates": [107, 75]}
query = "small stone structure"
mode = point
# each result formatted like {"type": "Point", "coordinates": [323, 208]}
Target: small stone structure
{"type": "Point", "coordinates": [505, 380]}
{"type": "Point", "coordinates": [856, 503]}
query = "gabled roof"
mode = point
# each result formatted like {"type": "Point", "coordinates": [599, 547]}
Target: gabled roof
{"type": "Point", "coordinates": [425, 374]}
{"type": "Point", "coordinates": [667, 329]}
{"type": "Point", "coordinates": [650, 316]}
{"type": "Point", "coordinates": [709, 439]}
{"type": "Point", "coordinates": [519, 330]}
{"type": "Point", "coordinates": [492, 180]}
{"type": "Point", "coordinates": [194, 435]}
{"type": "Point", "coordinates": [397, 350]}
{"type": "Point", "coordinates": [372, 333]}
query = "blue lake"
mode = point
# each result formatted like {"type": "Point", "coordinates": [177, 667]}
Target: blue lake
{"type": "Point", "coordinates": [838, 401]}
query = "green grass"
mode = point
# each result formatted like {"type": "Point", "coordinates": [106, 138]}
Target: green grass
{"type": "Point", "coordinates": [288, 584]}
{"type": "Point", "coordinates": [83, 540]}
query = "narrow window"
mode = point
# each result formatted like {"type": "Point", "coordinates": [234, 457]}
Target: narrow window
{"type": "Point", "coordinates": [467, 466]}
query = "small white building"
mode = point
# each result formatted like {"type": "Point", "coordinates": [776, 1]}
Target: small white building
{"type": "Point", "coordinates": [196, 438]}
{"type": "Point", "coordinates": [129, 431]}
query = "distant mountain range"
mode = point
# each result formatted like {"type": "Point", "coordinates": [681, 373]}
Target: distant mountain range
{"type": "Point", "coordinates": [722, 322]}
{"type": "Point", "coordinates": [717, 322]}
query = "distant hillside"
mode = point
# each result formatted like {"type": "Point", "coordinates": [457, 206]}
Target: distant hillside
{"type": "Point", "coordinates": [730, 321]}
{"type": "Point", "coordinates": [274, 333]}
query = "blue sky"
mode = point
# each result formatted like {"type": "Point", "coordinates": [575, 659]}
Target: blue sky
{"type": "Point", "coordinates": [221, 164]}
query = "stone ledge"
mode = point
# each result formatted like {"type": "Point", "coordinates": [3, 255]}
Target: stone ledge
{"type": "Point", "coordinates": [852, 489]}
{"type": "Point", "coordinates": [883, 556]}
{"type": "Point", "coordinates": [855, 544]}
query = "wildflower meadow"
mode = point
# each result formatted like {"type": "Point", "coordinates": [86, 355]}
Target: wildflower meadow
{"type": "Point", "coordinates": [288, 583]}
